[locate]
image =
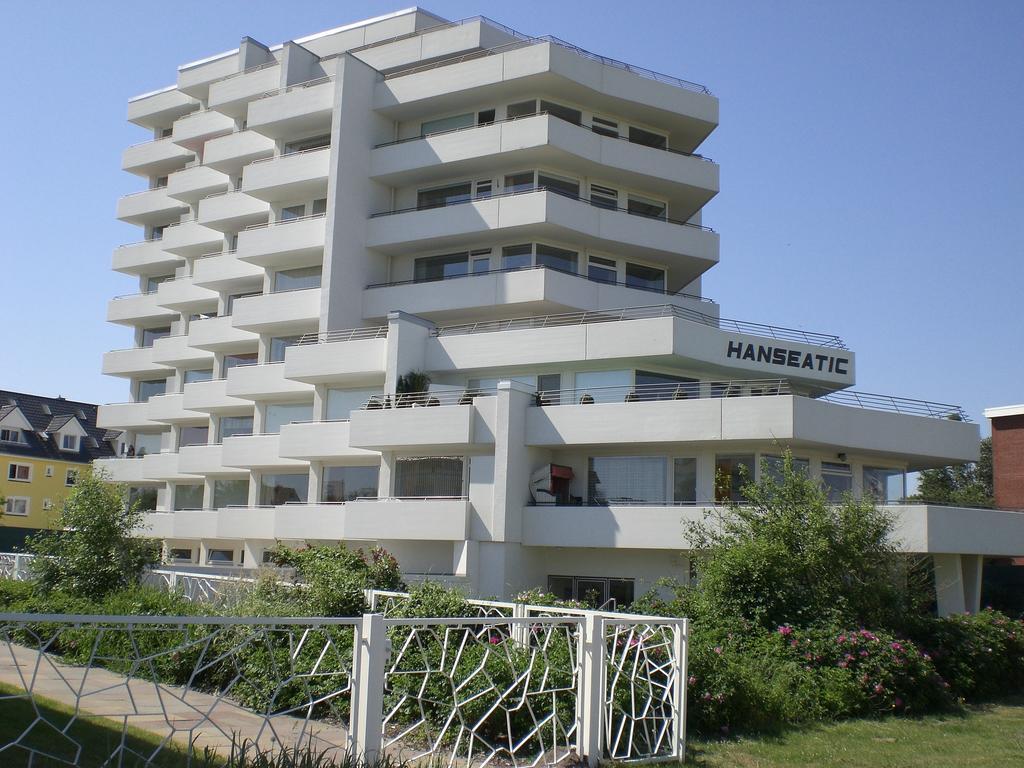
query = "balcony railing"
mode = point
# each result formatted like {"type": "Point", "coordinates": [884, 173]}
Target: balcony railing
{"type": "Point", "coordinates": [542, 188]}
{"type": "Point", "coordinates": [281, 222]}
{"type": "Point", "coordinates": [662, 291]}
{"type": "Point", "coordinates": [904, 405]}
{"type": "Point", "coordinates": [538, 114]}
{"type": "Point", "coordinates": [348, 334]}
{"type": "Point", "coordinates": [256, 68]}
{"type": "Point", "coordinates": [642, 313]}
{"type": "Point", "coordinates": [295, 87]}
{"type": "Point", "coordinates": [419, 399]}
{"type": "Point", "coordinates": [290, 154]}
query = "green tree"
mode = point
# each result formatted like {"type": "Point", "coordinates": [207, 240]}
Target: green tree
{"type": "Point", "coordinates": [789, 556]}
{"type": "Point", "coordinates": [92, 552]}
{"type": "Point", "coordinates": [964, 485]}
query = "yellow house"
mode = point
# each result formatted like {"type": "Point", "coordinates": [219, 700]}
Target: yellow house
{"type": "Point", "coordinates": [44, 443]}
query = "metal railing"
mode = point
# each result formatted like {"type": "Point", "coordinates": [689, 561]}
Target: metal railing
{"type": "Point", "coordinates": [293, 153]}
{"type": "Point", "coordinates": [347, 334]}
{"type": "Point", "coordinates": [682, 390]}
{"type": "Point", "coordinates": [295, 87]}
{"type": "Point", "coordinates": [542, 188]}
{"type": "Point", "coordinates": [904, 405]}
{"type": "Point", "coordinates": [619, 283]}
{"type": "Point", "coordinates": [281, 222]}
{"type": "Point", "coordinates": [641, 313]}
{"type": "Point", "coordinates": [542, 113]}
{"type": "Point", "coordinates": [422, 399]}
{"type": "Point", "coordinates": [248, 70]}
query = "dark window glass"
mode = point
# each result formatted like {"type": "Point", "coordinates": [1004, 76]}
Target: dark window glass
{"type": "Point", "coordinates": [284, 488]}
{"type": "Point", "coordinates": [605, 127]}
{"type": "Point", "coordinates": [232, 492]}
{"type": "Point", "coordinates": [319, 206]}
{"type": "Point", "coordinates": [313, 142]}
{"type": "Point", "coordinates": [292, 212]}
{"type": "Point", "coordinates": [145, 497]}
{"type": "Point", "coordinates": [648, 278]}
{"type": "Point", "coordinates": [772, 466]}
{"type": "Point", "coordinates": [556, 258]}
{"type": "Point", "coordinates": [204, 374]}
{"type": "Point", "coordinates": [279, 414]}
{"type": "Point", "coordinates": [621, 591]}
{"type": "Point", "coordinates": [241, 359]}
{"type": "Point", "coordinates": [220, 556]}
{"type": "Point", "coordinates": [652, 209]}
{"type": "Point", "coordinates": [648, 139]}
{"type": "Point", "coordinates": [149, 388]}
{"type": "Point", "coordinates": [684, 481]}
{"type": "Point", "coordinates": [149, 335]}
{"type": "Point", "coordinates": [522, 109]}
{"type": "Point", "coordinates": [485, 117]}
{"type": "Point", "coordinates": [188, 497]}
{"type": "Point", "coordinates": [428, 476]}
{"type": "Point", "coordinates": [519, 182]}
{"type": "Point", "coordinates": [561, 587]}
{"type": "Point", "coordinates": [602, 270]}
{"type": "Point", "coordinates": [565, 113]}
{"type": "Point", "coordinates": [297, 279]}
{"type": "Point", "coordinates": [567, 187]}
{"type": "Point", "coordinates": [732, 472]}
{"type": "Point", "coordinates": [662, 386]}
{"type": "Point", "coordinates": [180, 555]}
{"type": "Point", "coordinates": [194, 436]}
{"type": "Point", "coordinates": [441, 267]}
{"type": "Point", "coordinates": [604, 197]}
{"type": "Point", "coordinates": [279, 344]}
{"type": "Point", "coordinates": [235, 425]}
{"type": "Point", "coordinates": [348, 483]}
{"type": "Point", "coordinates": [442, 196]}
{"type": "Point", "coordinates": [517, 256]}
{"type": "Point", "coordinates": [837, 480]}
{"type": "Point", "coordinates": [443, 124]}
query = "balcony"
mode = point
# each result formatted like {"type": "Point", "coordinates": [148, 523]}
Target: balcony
{"type": "Point", "coordinates": [129, 416]}
{"type": "Point", "coordinates": [533, 290]}
{"type": "Point", "coordinates": [615, 526]}
{"type": "Point", "coordinates": [157, 157]}
{"type": "Point", "coordinates": [131, 362]}
{"type": "Point", "coordinates": [163, 467]}
{"type": "Point", "coordinates": [284, 244]}
{"type": "Point", "coordinates": [183, 525]}
{"type": "Point", "coordinates": [168, 409]}
{"type": "Point", "coordinates": [429, 519]}
{"type": "Point", "coordinates": [232, 94]}
{"type": "Point", "coordinates": [150, 206]}
{"type": "Point", "coordinates": [121, 470]}
{"type": "Point", "coordinates": [138, 308]}
{"type": "Point", "coordinates": [257, 452]}
{"type": "Point", "coordinates": [191, 239]}
{"type": "Point", "coordinates": [282, 313]}
{"type": "Point", "coordinates": [197, 128]}
{"type": "Point", "coordinates": [319, 441]}
{"type": "Point", "coordinates": [182, 295]}
{"type": "Point", "coordinates": [195, 79]}
{"type": "Point", "coordinates": [296, 176]}
{"type": "Point", "coordinates": [357, 356]}
{"type": "Point", "coordinates": [190, 185]}
{"type": "Point", "coordinates": [303, 108]}
{"type": "Point", "coordinates": [688, 250]}
{"type": "Point", "coordinates": [206, 460]}
{"type": "Point", "coordinates": [144, 259]}
{"type": "Point", "coordinates": [212, 397]}
{"type": "Point", "coordinates": [232, 211]}
{"type": "Point", "coordinates": [226, 272]}
{"type": "Point", "coordinates": [449, 420]}
{"type": "Point", "coordinates": [229, 154]}
{"type": "Point", "coordinates": [686, 181]}
{"type": "Point", "coordinates": [175, 351]}
{"type": "Point", "coordinates": [160, 108]}
{"type": "Point", "coordinates": [217, 334]}
{"type": "Point", "coordinates": [264, 382]}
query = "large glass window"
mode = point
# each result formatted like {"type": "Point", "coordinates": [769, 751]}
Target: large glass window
{"type": "Point", "coordinates": [521, 109]}
{"type": "Point", "coordinates": [772, 466]}
{"type": "Point", "coordinates": [297, 279]}
{"type": "Point", "coordinates": [149, 388]}
{"type": "Point", "coordinates": [732, 472]}
{"type": "Point", "coordinates": [428, 476]}
{"type": "Point", "coordinates": [303, 145]}
{"type": "Point", "coordinates": [148, 442]}
{"type": "Point", "coordinates": [441, 267]}
{"type": "Point", "coordinates": [602, 270]}
{"type": "Point", "coordinates": [647, 278]}
{"type": "Point", "coordinates": [341, 402]}
{"type": "Point", "coordinates": [642, 206]}
{"type": "Point", "coordinates": [279, 344]}
{"type": "Point", "coordinates": [559, 184]}
{"type": "Point", "coordinates": [684, 481]}
{"type": "Point", "coordinates": [203, 374]}
{"type": "Point", "coordinates": [279, 414]}
{"type": "Point", "coordinates": [603, 386]}
{"type": "Point", "coordinates": [284, 488]}
{"type": "Point", "coordinates": [517, 256]}
{"type": "Point", "coordinates": [647, 138]}
{"type": "Point", "coordinates": [235, 425]}
{"type": "Point", "coordinates": [556, 258]}
{"type": "Point", "coordinates": [663, 386]}
{"type": "Point", "coordinates": [149, 335]}
{"type": "Point", "coordinates": [144, 497]}
{"type": "Point", "coordinates": [446, 124]}
{"type": "Point", "coordinates": [230, 492]}
{"type": "Point", "coordinates": [188, 497]}
{"type": "Point", "coordinates": [238, 360]}
{"type": "Point", "coordinates": [627, 480]}
{"type": "Point", "coordinates": [884, 484]}
{"type": "Point", "coordinates": [549, 387]}
{"type": "Point", "coordinates": [442, 196]}
{"type": "Point", "coordinates": [558, 110]}
{"type": "Point", "coordinates": [194, 435]}
{"type": "Point", "coordinates": [349, 483]}
{"type": "Point", "coordinates": [519, 182]}
{"type": "Point", "coordinates": [836, 479]}
{"type": "Point", "coordinates": [291, 212]}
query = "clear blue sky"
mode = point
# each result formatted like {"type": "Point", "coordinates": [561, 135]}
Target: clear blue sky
{"type": "Point", "coordinates": [872, 169]}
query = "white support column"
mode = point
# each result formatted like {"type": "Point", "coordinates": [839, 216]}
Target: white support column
{"type": "Point", "coordinates": [370, 656]}
{"type": "Point", "coordinates": [970, 571]}
{"type": "Point", "coordinates": [680, 648]}
{"type": "Point", "coordinates": [590, 694]}
{"type": "Point", "coordinates": [949, 584]}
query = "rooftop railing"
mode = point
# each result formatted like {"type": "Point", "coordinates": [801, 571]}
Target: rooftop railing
{"type": "Point", "coordinates": [295, 87]}
{"type": "Point", "coordinates": [248, 70]}
{"type": "Point", "coordinates": [348, 334]}
{"type": "Point", "coordinates": [904, 405]}
{"type": "Point", "coordinates": [542, 188]}
{"type": "Point", "coordinates": [642, 313]}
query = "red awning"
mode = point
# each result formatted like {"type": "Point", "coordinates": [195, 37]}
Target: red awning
{"type": "Point", "coordinates": [557, 470]}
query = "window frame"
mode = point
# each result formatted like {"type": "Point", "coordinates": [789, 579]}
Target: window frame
{"type": "Point", "coordinates": [70, 478]}
{"type": "Point", "coordinates": [13, 471]}
{"type": "Point", "coordinates": [26, 504]}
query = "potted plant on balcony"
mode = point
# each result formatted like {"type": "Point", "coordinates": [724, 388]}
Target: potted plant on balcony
{"type": "Point", "coordinates": [411, 388]}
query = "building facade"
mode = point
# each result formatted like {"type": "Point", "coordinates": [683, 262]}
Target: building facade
{"type": "Point", "coordinates": [1007, 455]}
{"type": "Point", "coordinates": [437, 285]}
{"type": "Point", "coordinates": [45, 442]}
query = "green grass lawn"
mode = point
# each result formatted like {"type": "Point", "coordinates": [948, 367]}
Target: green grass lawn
{"type": "Point", "coordinates": [983, 737]}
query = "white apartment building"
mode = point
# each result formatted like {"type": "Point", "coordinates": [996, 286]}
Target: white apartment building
{"type": "Point", "coordinates": [519, 220]}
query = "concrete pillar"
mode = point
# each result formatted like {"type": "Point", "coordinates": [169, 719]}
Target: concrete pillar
{"type": "Point", "coordinates": [366, 735]}
{"type": "Point", "coordinates": [408, 336]}
{"type": "Point", "coordinates": [298, 64]}
{"type": "Point", "coordinates": [252, 53]}
{"type": "Point", "coordinates": [386, 478]}
{"type": "Point", "coordinates": [971, 569]}
{"type": "Point", "coordinates": [957, 583]}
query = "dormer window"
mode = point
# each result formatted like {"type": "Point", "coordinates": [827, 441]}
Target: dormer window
{"type": "Point", "coordinates": [69, 442]}
{"type": "Point", "coordinates": [10, 436]}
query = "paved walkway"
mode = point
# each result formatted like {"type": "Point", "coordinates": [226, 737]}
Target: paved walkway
{"type": "Point", "coordinates": [185, 716]}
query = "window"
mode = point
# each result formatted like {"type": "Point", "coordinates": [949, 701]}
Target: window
{"type": "Point", "coordinates": [194, 435]}
{"type": "Point", "coordinates": [143, 499]}
{"type": "Point", "coordinates": [663, 386]}
{"type": "Point", "coordinates": [148, 442]}
{"type": "Point", "coordinates": [647, 138]}
{"type": "Point", "coordinates": [604, 197]}
{"type": "Point", "coordinates": [297, 279]}
{"type": "Point", "coordinates": [10, 435]}
{"type": "Point", "coordinates": [230, 492]}
{"type": "Point", "coordinates": [446, 124]}
{"type": "Point", "coordinates": [732, 472]}
{"type": "Point", "coordinates": [485, 117]}
{"type": "Point", "coordinates": [519, 182]}
{"type": "Point", "coordinates": [220, 557]}
{"type": "Point", "coordinates": [884, 484]}
{"type": "Point", "coordinates": [772, 466]}
{"type": "Point", "coordinates": [292, 212]}
{"type": "Point", "coordinates": [559, 184]}
{"type": "Point", "coordinates": [428, 476]}
{"type": "Point", "coordinates": [626, 480]}
{"type": "Point", "coordinates": [837, 479]}
{"type": "Point", "coordinates": [279, 344]}
{"type": "Point", "coordinates": [69, 442]}
{"type": "Point", "coordinates": [284, 489]}
{"type": "Point", "coordinates": [180, 555]}
{"type": "Point", "coordinates": [642, 206]}
{"type": "Point", "coordinates": [203, 374]}
{"type": "Point", "coordinates": [602, 270]}
{"type": "Point", "coordinates": [303, 145]}
{"type": "Point", "coordinates": [556, 258]}
{"type": "Point", "coordinates": [279, 414]}
{"type": "Point", "coordinates": [238, 360]}
{"type": "Point", "coordinates": [441, 267]}
{"type": "Point", "coordinates": [348, 483]}
{"type": "Point", "coordinates": [17, 505]}
{"type": "Point", "coordinates": [517, 256]}
{"type": "Point", "coordinates": [605, 127]}
{"type": "Point", "coordinates": [603, 386]}
{"type": "Point", "coordinates": [156, 233]}
{"type": "Point", "coordinates": [230, 305]}
{"type": "Point", "coordinates": [70, 477]}
{"type": "Point", "coordinates": [442, 196]}
{"type": "Point", "coordinates": [645, 278]}
{"type": "Point", "coordinates": [149, 335]}
{"type": "Point", "coordinates": [684, 481]}
{"type": "Point", "coordinates": [235, 425]}
{"type": "Point", "coordinates": [319, 207]}
{"type": "Point", "coordinates": [548, 386]}
{"type": "Point", "coordinates": [49, 470]}
{"type": "Point", "coordinates": [188, 497]}
{"type": "Point", "coordinates": [596, 591]}
{"type": "Point", "coordinates": [521, 109]}
{"type": "Point", "coordinates": [152, 283]}
{"type": "Point", "coordinates": [149, 388]}
{"type": "Point", "coordinates": [21, 473]}
{"type": "Point", "coordinates": [484, 188]}
{"type": "Point", "coordinates": [562, 112]}
{"type": "Point", "coordinates": [481, 261]}
{"type": "Point", "coordinates": [341, 402]}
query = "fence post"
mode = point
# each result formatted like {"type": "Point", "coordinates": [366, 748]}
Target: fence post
{"type": "Point", "coordinates": [591, 691]}
{"type": "Point", "coordinates": [520, 631]}
{"type": "Point", "coordinates": [19, 568]}
{"type": "Point", "coordinates": [370, 655]}
{"type": "Point", "coordinates": [680, 643]}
